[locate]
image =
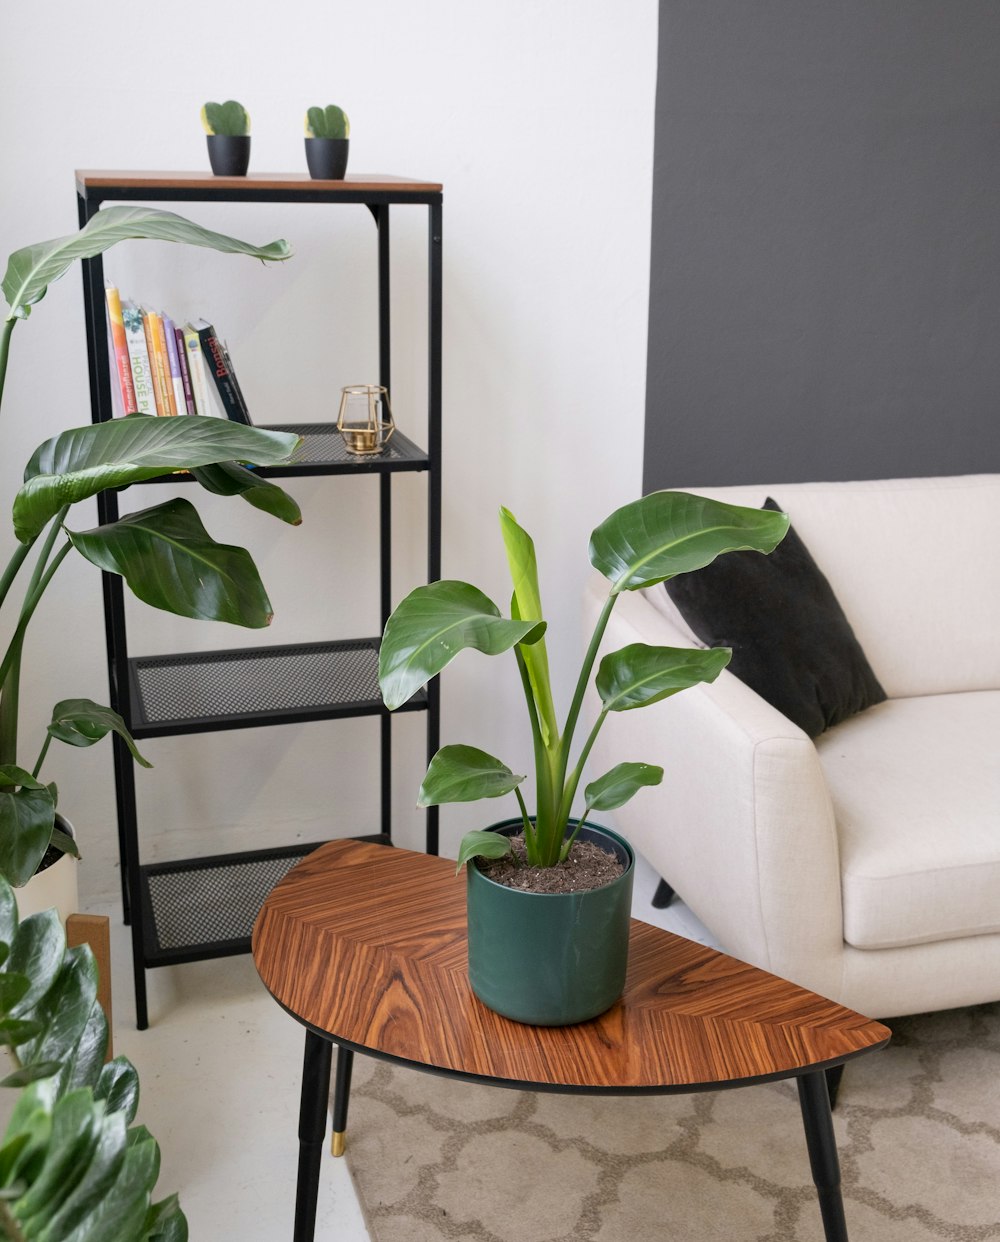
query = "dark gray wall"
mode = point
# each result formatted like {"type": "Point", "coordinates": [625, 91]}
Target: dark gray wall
{"type": "Point", "coordinates": [825, 293]}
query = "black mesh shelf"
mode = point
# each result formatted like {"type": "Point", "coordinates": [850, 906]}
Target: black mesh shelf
{"type": "Point", "coordinates": [322, 452]}
{"type": "Point", "coordinates": [200, 908]}
{"type": "Point", "coordinates": [244, 688]}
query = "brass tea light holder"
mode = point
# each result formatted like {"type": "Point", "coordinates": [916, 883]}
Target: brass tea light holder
{"type": "Point", "coordinates": [365, 420]}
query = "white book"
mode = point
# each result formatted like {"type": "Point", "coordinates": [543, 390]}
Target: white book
{"type": "Point", "coordinates": [142, 375]}
{"type": "Point", "coordinates": [196, 369]}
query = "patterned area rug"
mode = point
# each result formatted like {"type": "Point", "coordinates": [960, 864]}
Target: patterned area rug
{"type": "Point", "coordinates": [918, 1129]}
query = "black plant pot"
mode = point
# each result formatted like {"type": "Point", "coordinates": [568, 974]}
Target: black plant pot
{"type": "Point", "coordinates": [229, 154]}
{"type": "Point", "coordinates": [327, 158]}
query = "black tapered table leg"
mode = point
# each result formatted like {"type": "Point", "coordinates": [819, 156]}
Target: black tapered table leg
{"type": "Point", "coordinates": [814, 1098]}
{"type": "Point", "coordinates": [341, 1097]}
{"type": "Point", "coordinates": [315, 1102]}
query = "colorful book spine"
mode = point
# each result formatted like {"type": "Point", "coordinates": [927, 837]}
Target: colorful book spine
{"type": "Point", "coordinates": [138, 355]}
{"type": "Point", "coordinates": [155, 367]}
{"type": "Point", "coordinates": [174, 364]}
{"type": "Point", "coordinates": [182, 362]}
{"type": "Point", "coordinates": [196, 371]}
{"type": "Point", "coordinates": [162, 363]}
{"type": "Point", "coordinates": [221, 369]}
{"type": "Point", "coordinates": [119, 350]}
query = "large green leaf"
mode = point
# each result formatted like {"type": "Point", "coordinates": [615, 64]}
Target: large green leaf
{"type": "Point", "coordinates": [432, 625]}
{"type": "Point", "coordinates": [27, 813]}
{"type": "Point", "coordinates": [616, 787]}
{"type": "Point", "coordinates": [83, 461]}
{"type": "Point", "coordinates": [527, 606]}
{"type": "Point", "coordinates": [8, 915]}
{"type": "Point", "coordinates": [30, 271]}
{"type": "Point", "coordinates": [465, 774]}
{"type": "Point", "coordinates": [82, 722]}
{"type": "Point", "coordinates": [638, 675]}
{"type": "Point", "coordinates": [670, 533]}
{"type": "Point", "coordinates": [229, 478]}
{"type": "Point", "coordinates": [118, 1085]}
{"type": "Point", "coordinates": [170, 561]}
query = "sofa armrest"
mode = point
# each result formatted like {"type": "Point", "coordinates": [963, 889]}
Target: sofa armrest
{"type": "Point", "coordinates": [742, 825]}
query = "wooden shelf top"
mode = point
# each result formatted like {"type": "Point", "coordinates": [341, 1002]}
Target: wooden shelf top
{"type": "Point", "coordinates": [367, 944]}
{"type": "Point", "coordinates": [89, 178]}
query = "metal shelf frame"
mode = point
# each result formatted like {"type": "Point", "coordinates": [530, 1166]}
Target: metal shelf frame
{"type": "Point", "coordinates": [133, 680]}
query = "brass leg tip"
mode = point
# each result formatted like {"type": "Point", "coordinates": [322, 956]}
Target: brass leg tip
{"type": "Point", "coordinates": [337, 1143]}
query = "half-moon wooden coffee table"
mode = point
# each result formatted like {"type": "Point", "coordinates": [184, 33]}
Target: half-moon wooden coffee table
{"type": "Point", "coordinates": [365, 946]}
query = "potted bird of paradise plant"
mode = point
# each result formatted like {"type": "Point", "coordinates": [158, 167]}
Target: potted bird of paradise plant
{"type": "Point", "coordinates": [546, 950]}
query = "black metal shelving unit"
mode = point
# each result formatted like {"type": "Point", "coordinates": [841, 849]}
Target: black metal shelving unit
{"type": "Point", "coordinates": [195, 908]}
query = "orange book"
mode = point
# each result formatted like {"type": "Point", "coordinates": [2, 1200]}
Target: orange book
{"type": "Point", "coordinates": [119, 350]}
{"type": "Point", "coordinates": [161, 366]}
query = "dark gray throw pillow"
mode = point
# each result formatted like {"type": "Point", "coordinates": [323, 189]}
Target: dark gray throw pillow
{"type": "Point", "coordinates": [791, 641]}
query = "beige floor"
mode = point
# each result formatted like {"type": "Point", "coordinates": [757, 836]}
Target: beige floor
{"type": "Point", "coordinates": [220, 1071]}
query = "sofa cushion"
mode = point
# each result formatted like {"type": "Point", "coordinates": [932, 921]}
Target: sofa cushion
{"type": "Point", "coordinates": [913, 563]}
{"type": "Point", "coordinates": [915, 785]}
{"type": "Point", "coordinates": [791, 642]}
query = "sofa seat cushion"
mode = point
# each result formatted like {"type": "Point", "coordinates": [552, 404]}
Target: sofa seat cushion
{"type": "Point", "coordinates": [915, 785]}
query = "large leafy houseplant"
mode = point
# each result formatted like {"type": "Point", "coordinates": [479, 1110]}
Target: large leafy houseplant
{"type": "Point", "coordinates": [164, 553]}
{"type": "Point", "coordinates": [643, 543]}
{"type": "Point", "coordinates": [73, 1168]}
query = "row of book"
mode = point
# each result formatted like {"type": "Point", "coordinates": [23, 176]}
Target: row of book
{"type": "Point", "coordinates": [161, 367]}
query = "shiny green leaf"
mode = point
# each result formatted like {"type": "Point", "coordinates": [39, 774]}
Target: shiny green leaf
{"type": "Point", "coordinates": [36, 1072]}
{"type": "Point", "coordinates": [638, 675]}
{"type": "Point", "coordinates": [27, 814]}
{"type": "Point", "coordinates": [64, 1011]}
{"type": "Point", "coordinates": [481, 845]}
{"type": "Point", "coordinates": [616, 787]}
{"type": "Point", "coordinates": [37, 953]}
{"type": "Point", "coordinates": [30, 271]}
{"type": "Point", "coordinates": [14, 1031]}
{"type": "Point", "coordinates": [8, 914]}
{"type": "Point", "coordinates": [432, 625]}
{"type": "Point", "coordinates": [165, 1222]}
{"type": "Point", "coordinates": [82, 722]}
{"type": "Point", "coordinates": [670, 533]}
{"type": "Point", "coordinates": [118, 1086]}
{"type": "Point", "coordinates": [83, 461]}
{"type": "Point", "coordinates": [13, 987]}
{"type": "Point", "coordinates": [229, 478]}
{"type": "Point", "coordinates": [465, 774]}
{"type": "Point", "coordinates": [170, 561]}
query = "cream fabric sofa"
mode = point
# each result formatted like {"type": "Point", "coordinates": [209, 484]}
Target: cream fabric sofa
{"type": "Point", "coordinates": [864, 865]}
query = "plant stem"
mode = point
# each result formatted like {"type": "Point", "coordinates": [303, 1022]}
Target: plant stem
{"type": "Point", "coordinates": [543, 790]}
{"type": "Point", "coordinates": [54, 528]}
{"type": "Point", "coordinates": [8, 328]}
{"type": "Point", "coordinates": [570, 787]}
{"type": "Point", "coordinates": [574, 709]}
{"type": "Point", "coordinates": [41, 755]}
{"type": "Point", "coordinates": [13, 565]}
{"type": "Point", "coordinates": [529, 835]}
{"type": "Point", "coordinates": [30, 604]}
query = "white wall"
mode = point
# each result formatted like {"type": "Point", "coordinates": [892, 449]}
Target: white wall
{"type": "Point", "coordinates": [538, 119]}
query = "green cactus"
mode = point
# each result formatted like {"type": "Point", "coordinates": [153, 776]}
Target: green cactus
{"type": "Point", "coordinates": [229, 118]}
{"type": "Point", "coordinates": [328, 122]}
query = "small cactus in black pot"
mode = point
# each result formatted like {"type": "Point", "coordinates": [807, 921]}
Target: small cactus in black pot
{"type": "Point", "coordinates": [227, 126]}
{"type": "Point", "coordinates": [327, 134]}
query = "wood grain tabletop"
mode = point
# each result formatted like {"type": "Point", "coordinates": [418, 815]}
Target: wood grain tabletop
{"type": "Point", "coordinates": [366, 944]}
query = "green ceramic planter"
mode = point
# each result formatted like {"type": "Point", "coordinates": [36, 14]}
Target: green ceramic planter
{"type": "Point", "coordinates": [550, 959]}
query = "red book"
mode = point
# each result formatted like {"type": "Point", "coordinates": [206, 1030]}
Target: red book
{"type": "Point", "coordinates": [185, 373]}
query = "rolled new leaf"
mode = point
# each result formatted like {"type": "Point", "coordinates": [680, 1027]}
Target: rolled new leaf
{"type": "Point", "coordinates": [170, 561]}
{"type": "Point", "coordinates": [638, 675]}
{"type": "Point", "coordinates": [30, 271]}
{"type": "Point", "coordinates": [85, 460]}
{"type": "Point", "coordinates": [670, 533]}
{"type": "Point", "coordinates": [465, 774]}
{"type": "Point", "coordinates": [432, 625]}
{"type": "Point", "coordinates": [527, 606]}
